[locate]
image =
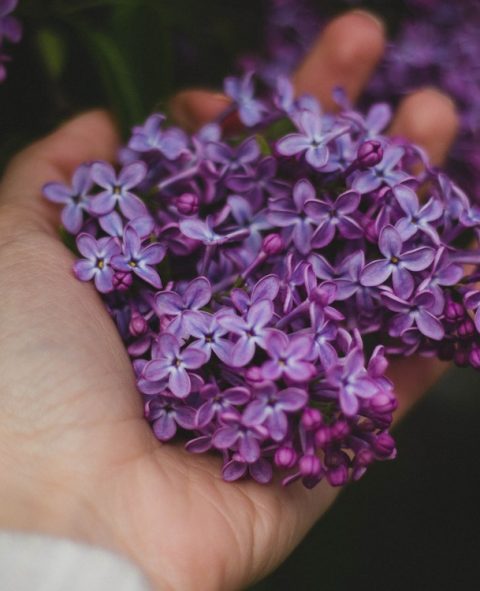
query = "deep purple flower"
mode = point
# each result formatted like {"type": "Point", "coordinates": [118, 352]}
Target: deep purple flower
{"type": "Point", "coordinates": [387, 171]}
{"type": "Point", "coordinates": [237, 467]}
{"type": "Point", "coordinates": [235, 435]}
{"type": "Point", "coordinates": [75, 198]}
{"type": "Point", "coordinates": [289, 357]}
{"type": "Point", "coordinates": [291, 214]}
{"type": "Point", "coordinates": [209, 335]}
{"type": "Point", "coordinates": [250, 329]}
{"type": "Point", "coordinates": [97, 262]}
{"type": "Point", "coordinates": [352, 382]}
{"type": "Point", "coordinates": [171, 362]}
{"type": "Point", "coordinates": [169, 303]}
{"type": "Point", "coordinates": [259, 181]}
{"type": "Point", "coordinates": [417, 218]}
{"type": "Point", "coordinates": [270, 407]}
{"type": "Point", "coordinates": [324, 332]}
{"type": "Point", "coordinates": [332, 215]}
{"type": "Point", "coordinates": [396, 263]}
{"type": "Point", "coordinates": [218, 401]}
{"type": "Point", "coordinates": [312, 141]}
{"type": "Point", "coordinates": [117, 189]}
{"type": "Point", "coordinates": [166, 413]}
{"type": "Point", "coordinates": [139, 259]}
{"type": "Point", "coordinates": [417, 313]}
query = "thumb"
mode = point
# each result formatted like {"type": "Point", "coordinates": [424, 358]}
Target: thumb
{"type": "Point", "coordinates": [90, 136]}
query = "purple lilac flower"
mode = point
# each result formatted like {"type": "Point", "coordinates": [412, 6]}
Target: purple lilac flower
{"type": "Point", "coordinates": [237, 467]}
{"type": "Point", "coordinates": [218, 401]}
{"type": "Point", "coordinates": [234, 434]}
{"type": "Point", "coordinates": [312, 141]}
{"type": "Point", "coordinates": [288, 357]}
{"type": "Point", "coordinates": [231, 159]}
{"type": "Point", "coordinates": [139, 259]}
{"type": "Point", "coordinates": [270, 407]}
{"type": "Point", "coordinates": [330, 216]}
{"type": "Point", "coordinates": [117, 189]}
{"type": "Point", "coordinates": [172, 362]}
{"type": "Point", "coordinates": [97, 264]}
{"type": "Point", "coordinates": [166, 414]}
{"type": "Point", "coordinates": [386, 171]}
{"type": "Point", "coordinates": [418, 312]}
{"type": "Point", "coordinates": [210, 336]}
{"type": "Point", "coordinates": [75, 198]}
{"type": "Point", "coordinates": [417, 218]}
{"type": "Point", "coordinates": [251, 330]}
{"type": "Point", "coordinates": [241, 91]}
{"type": "Point", "coordinates": [350, 378]}
{"type": "Point", "coordinates": [170, 143]}
{"type": "Point", "coordinates": [169, 303]}
{"type": "Point", "coordinates": [396, 263]}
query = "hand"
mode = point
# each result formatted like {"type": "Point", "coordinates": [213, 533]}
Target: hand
{"type": "Point", "coordinates": [77, 457]}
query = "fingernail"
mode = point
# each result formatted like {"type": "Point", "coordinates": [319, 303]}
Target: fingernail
{"type": "Point", "coordinates": [370, 17]}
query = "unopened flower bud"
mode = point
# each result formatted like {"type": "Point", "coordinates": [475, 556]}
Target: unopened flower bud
{"type": "Point", "coordinates": [384, 445]}
{"type": "Point", "coordinates": [311, 418]}
{"type": "Point", "coordinates": [454, 311]}
{"type": "Point", "coordinates": [285, 457]}
{"type": "Point", "coordinates": [474, 356]}
{"type": "Point", "coordinates": [272, 244]}
{"type": "Point", "coordinates": [310, 465]}
{"type": "Point", "coordinates": [369, 153]}
{"type": "Point", "coordinates": [122, 280]}
{"type": "Point", "coordinates": [254, 375]}
{"type": "Point", "coordinates": [187, 204]}
{"type": "Point", "coordinates": [466, 329]}
{"type": "Point", "coordinates": [137, 325]}
{"type": "Point", "coordinates": [340, 430]}
{"type": "Point", "coordinates": [323, 437]}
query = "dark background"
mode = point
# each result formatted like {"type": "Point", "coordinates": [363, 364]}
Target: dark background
{"type": "Point", "coordinates": [411, 524]}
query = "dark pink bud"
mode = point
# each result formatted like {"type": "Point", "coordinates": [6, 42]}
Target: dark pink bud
{"type": "Point", "coordinates": [337, 476]}
{"type": "Point", "coordinates": [384, 445]}
{"type": "Point", "coordinates": [340, 430]}
{"type": "Point", "coordinates": [474, 356]}
{"type": "Point", "coordinates": [187, 204]}
{"type": "Point", "coordinates": [122, 281]}
{"type": "Point", "coordinates": [310, 465]}
{"type": "Point", "coordinates": [311, 418]}
{"type": "Point", "coordinates": [138, 325]}
{"type": "Point", "coordinates": [254, 375]}
{"type": "Point", "coordinates": [322, 437]}
{"type": "Point", "coordinates": [272, 244]}
{"type": "Point", "coordinates": [454, 312]}
{"type": "Point", "coordinates": [369, 153]}
{"type": "Point", "coordinates": [466, 329]}
{"type": "Point", "coordinates": [286, 457]}
{"type": "Point", "coordinates": [383, 402]}
{"type": "Point", "coordinates": [364, 457]}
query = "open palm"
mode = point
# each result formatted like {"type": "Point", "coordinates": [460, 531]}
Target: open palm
{"type": "Point", "coordinates": [77, 457]}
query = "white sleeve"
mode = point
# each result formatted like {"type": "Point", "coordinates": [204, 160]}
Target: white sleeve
{"type": "Point", "coordinates": [37, 562]}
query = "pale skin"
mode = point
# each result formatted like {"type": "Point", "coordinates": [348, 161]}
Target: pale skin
{"type": "Point", "coordinates": [77, 458]}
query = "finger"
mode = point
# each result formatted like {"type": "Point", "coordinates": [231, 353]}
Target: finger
{"type": "Point", "coordinates": [428, 118]}
{"type": "Point", "coordinates": [345, 54]}
{"type": "Point", "coordinates": [91, 136]}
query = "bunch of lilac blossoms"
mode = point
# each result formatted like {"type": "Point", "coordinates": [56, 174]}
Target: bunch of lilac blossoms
{"type": "Point", "coordinates": [259, 281]}
{"type": "Point", "coordinates": [10, 31]}
{"type": "Point", "coordinates": [437, 45]}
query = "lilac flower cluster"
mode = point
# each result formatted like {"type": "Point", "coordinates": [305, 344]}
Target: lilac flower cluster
{"type": "Point", "coordinates": [10, 30]}
{"type": "Point", "coordinates": [246, 274]}
{"type": "Point", "coordinates": [437, 44]}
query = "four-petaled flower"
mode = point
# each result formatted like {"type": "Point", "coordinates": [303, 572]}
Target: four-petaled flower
{"type": "Point", "coordinates": [139, 259]}
{"type": "Point", "coordinates": [172, 362]}
{"type": "Point", "coordinates": [242, 92]}
{"type": "Point", "coordinates": [97, 262]}
{"type": "Point", "coordinates": [237, 436]}
{"type": "Point", "coordinates": [117, 189]}
{"type": "Point", "coordinates": [396, 263]}
{"type": "Point", "coordinates": [289, 357]}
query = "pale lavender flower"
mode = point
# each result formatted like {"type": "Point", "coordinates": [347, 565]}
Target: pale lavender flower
{"type": "Point", "coordinates": [166, 414]}
{"type": "Point", "coordinates": [170, 143]}
{"type": "Point", "coordinates": [235, 435]}
{"type": "Point", "coordinates": [289, 357]}
{"type": "Point", "coordinates": [218, 401]}
{"type": "Point", "coordinates": [387, 171]}
{"type": "Point", "coordinates": [417, 312]}
{"type": "Point", "coordinates": [242, 92]}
